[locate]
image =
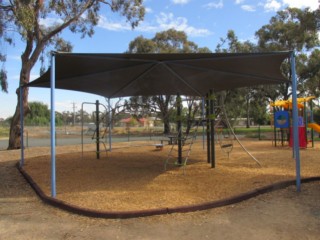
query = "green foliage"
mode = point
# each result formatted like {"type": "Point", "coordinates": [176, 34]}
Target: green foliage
{"type": "Point", "coordinates": [316, 115]}
{"type": "Point", "coordinates": [311, 73]}
{"type": "Point", "coordinates": [39, 114]}
{"type": "Point", "coordinates": [169, 41]}
{"type": "Point", "coordinates": [3, 80]}
{"type": "Point", "coordinates": [3, 72]}
{"type": "Point", "coordinates": [133, 122]}
{"type": "Point", "coordinates": [172, 41]}
{"type": "Point", "coordinates": [290, 29]}
{"type": "Point", "coordinates": [237, 102]}
{"type": "Point", "coordinates": [234, 102]}
{"type": "Point", "coordinates": [234, 45]}
{"type": "Point", "coordinates": [81, 17]}
{"type": "Point", "coordinates": [133, 10]}
{"type": "Point", "coordinates": [142, 45]}
{"type": "Point", "coordinates": [258, 111]}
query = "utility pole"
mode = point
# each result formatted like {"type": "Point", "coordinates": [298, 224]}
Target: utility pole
{"type": "Point", "coordinates": [74, 112]}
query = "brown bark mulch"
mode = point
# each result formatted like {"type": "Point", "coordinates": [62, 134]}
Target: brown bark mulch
{"type": "Point", "coordinates": [133, 178]}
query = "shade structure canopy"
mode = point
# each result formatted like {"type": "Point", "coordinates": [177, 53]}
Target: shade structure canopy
{"type": "Point", "coordinates": [121, 75]}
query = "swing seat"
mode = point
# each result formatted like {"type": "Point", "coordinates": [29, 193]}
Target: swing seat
{"type": "Point", "coordinates": [227, 145]}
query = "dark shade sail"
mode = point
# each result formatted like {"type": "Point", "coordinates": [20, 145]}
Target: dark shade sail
{"type": "Point", "coordinates": [121, 75]}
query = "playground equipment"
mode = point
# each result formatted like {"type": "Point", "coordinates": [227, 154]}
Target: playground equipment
{"type": "Point", "coordinates": [282, 122]}
{"type": "Point", "coordinates": [187, 142]}
{"type": "Point", "coordinates": [226, 143]}
{"type": "Point", "coordinates": [314, 126]}
{"type": "Point", "coordinates": [100, 139]}
{"type": "Point", "coordinates": [223, 133]}
{"type": "Point", "coordinates": [225, 139]}
{"type": "Point", "coordinates": [183, 144]}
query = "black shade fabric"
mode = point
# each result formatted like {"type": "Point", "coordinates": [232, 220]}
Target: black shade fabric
{"type": "Point", "coordinates": [121, 75]}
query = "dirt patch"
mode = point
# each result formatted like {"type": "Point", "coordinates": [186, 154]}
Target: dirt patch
{"type": "Point", "coordinates": [129, 179]}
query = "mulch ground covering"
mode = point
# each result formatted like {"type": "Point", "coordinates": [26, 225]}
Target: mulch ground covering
{"type": "Point", "coordinates": [133, 178]}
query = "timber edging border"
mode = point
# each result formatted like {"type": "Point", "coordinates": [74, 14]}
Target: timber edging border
{"type": "Point", "coordinates": [157, 211]}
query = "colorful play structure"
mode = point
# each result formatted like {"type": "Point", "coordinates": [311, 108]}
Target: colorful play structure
{"type": "Point", "coordinates": [282, 122]}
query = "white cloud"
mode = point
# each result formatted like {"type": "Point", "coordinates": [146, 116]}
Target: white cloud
{"type": "Point", "coordinates": [145, 27]}
{"type": "Point", "coordinates": [272, 5]}
{"type": "Point", "coordinates": [312, 4]}
{"type": "Point", "coordinates": [14, 57]}
{"type": "Point", "coordinates": [166, 21]}
{"type": "Point", "coordinates": [50, 21]}
{"type": "Point", "coordinates": [180, 1]}
{"type": "Point", "coordinates": [211, 5]}
{"type": "Point", "coordinates": [113, 26]}
{"type": "Point", "coordinates": [275, 5]}
{"type": "Point", "coordinates": [239, 1]}
{"type": "Point", "coordinates": [248, 8]}
{"type": "Point", "coordinates": [148, 10]}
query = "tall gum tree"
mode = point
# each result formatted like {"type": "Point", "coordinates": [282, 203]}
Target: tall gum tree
{"type": "Point", "coordinates": [25, 16]}
{"type": "Point", "coordinates": [290, 29]}
{"type": "Point", "coordinates": [241, 97]}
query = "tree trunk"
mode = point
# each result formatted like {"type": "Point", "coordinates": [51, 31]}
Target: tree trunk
{"type": "Point", "coordinates": [166, 126]}
{"type": "Point", "coordinates": [163, 102]}
{"type": "Point", "coordinates": [15, 127]}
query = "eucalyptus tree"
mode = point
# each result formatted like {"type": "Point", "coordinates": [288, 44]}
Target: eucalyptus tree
{"type": "Point", "coordinates": [311, 72]}
{"type": "Point", "coordinates": [291, 29]}
{"type": "Point", "coordinates": [238, 102]}
{"type": "Point", "coordinates": [26, 18]}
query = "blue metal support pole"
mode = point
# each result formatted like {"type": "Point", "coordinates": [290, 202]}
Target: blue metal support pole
{"type": "Point", "coordinates": [53, 127]}
{"type": "Point", "coordinates": [21, 125]}
{"type": "Point", "coordinates": [295, 121]}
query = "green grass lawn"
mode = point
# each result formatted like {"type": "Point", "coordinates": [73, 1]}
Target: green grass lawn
{"type": "Point", "coordinates": [4, 132]}
{"type": "Point", "coordinates": [244, 130]}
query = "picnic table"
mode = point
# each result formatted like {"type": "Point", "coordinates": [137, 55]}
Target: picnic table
{"type": "Point", "coordinates": [172, 140]}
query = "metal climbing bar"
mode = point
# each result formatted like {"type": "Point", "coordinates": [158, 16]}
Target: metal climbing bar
{"type": "Point", "coordinates": [186, 147]}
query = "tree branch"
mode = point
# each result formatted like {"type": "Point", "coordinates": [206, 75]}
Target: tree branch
{"type": "Point", "coordinates": [6, 7]}
{"type": "Point", "coordinates": [67, 23]}
{"type": "Point", "coordinates": [105, 2]}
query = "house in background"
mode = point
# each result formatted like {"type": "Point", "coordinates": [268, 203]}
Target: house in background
{"type": "Point", "coordinates": [149, 122]}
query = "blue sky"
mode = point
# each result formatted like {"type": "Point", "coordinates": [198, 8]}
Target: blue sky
{"type": "Point", "coordinates": [204, 21]}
